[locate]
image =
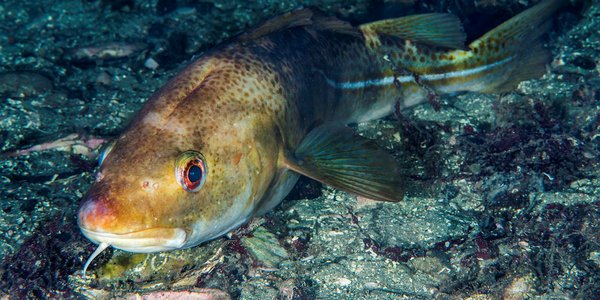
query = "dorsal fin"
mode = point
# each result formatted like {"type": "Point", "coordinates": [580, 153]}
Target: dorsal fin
{"type": "Point", "coordinates": [434, 29]}
{"type": "Point", "coordinates": [322, 23]}
{"type": "Point", "coordinates": [299, 17]}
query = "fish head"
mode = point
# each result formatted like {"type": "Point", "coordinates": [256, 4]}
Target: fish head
{"type": "Point", "coordinates": [166, 184]}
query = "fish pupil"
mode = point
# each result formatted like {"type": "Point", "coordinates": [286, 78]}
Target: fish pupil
{"type": "Point", "coordinates": [194, 173]}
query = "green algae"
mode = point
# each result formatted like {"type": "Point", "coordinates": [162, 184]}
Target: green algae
{"type": "Point", "coordinates": [144, 272]}
{"type": "Point", "coordinates": [119, 264]}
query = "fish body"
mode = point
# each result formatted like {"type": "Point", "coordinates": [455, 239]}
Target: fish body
{"type": "Point", "coordinates": [227, 138]}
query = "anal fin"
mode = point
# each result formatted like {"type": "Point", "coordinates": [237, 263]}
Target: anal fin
{"type": "Point", "coordinates": [334, 155]}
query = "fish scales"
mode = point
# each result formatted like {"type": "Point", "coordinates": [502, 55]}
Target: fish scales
{"type": "Point", "coordinates": [228, 137]}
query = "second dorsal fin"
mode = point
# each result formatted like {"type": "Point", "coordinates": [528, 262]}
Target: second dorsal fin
{"type": "Point", "coordinates": [434, 29]}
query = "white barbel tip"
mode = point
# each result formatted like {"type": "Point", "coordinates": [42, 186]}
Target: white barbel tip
{"type": "Point", "coordinates": [99, 250]}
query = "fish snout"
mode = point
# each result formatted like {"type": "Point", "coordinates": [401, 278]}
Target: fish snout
{"type": "Point", "coordinates": [96, 215]}
{"type": "Point", "coordinates": [101, 223]}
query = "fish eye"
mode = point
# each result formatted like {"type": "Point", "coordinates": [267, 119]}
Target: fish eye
{"type": "Point", "coordinates": [107, 148]}
{"type": "Point", "coordinates": [191, 170]}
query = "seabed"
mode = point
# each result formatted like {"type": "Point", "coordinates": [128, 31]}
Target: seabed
{"type": "Point", "coordinates": [503, 196]}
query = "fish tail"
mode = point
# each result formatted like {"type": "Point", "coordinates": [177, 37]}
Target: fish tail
{"type": "Point", "coordinates": [513, 51]}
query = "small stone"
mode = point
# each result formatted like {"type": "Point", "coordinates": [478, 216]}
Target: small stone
{"type": "Point", "coordinates": [344, 281]}
{"type": "Point", "coordinates": [518, 288]}
{"type": "Point", "coordinates": [151, 64]}
{"type": "Point", "coordinates": [480, 297]}
{"type": "Point", "coordinates": [197, 294]}
{"type": "Point", "coordinates": [21, 84]}
{"type": "Point", "coordinates": [111, 50]}
{"type": "Point", "coordinates": [595, 257]}
{"type": "Point", "coordinates": [371, 285]}
{"type": "Point", "coordinates": [103, 78]}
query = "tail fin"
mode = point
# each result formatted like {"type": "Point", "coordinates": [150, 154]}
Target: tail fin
{"type": "Point", "coordinates": [516, 43]}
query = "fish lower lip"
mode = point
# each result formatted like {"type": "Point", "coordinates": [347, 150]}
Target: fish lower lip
{"type": "Point", "coordinates": [143, 241]}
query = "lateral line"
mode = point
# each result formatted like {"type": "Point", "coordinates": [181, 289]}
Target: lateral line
{"type": "Point", "coordinates": [350, 85]}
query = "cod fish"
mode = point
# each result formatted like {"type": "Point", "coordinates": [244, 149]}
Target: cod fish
{"type": "Point", "coordinates": [228, 137]}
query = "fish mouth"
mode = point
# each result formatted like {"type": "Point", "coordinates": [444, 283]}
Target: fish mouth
{"type": "Point", "coordinates": [143, 241]}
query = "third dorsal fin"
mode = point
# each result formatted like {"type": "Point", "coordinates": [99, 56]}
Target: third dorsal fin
{"type": "Point", "coordinates": [434, 29]}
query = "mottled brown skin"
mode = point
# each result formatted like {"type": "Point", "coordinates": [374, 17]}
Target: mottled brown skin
{"type": "Point", "coordinates": [199, 111]}
{"type": "Point", "coordinates": [245, 106]}
{"type": "Point", "coordinates": [242, 106]}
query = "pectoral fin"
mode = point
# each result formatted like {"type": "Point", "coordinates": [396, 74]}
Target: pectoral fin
{"type": "Point", "coordinates": [336, 156]}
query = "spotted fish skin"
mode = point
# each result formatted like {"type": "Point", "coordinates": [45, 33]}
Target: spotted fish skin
{"type": "Point", "coordinates": [259, 111]}
{"type": "Point", "coordinates": [359, 77]}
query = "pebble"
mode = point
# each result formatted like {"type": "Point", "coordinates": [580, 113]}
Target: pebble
{"type": "Point", "coordinates": [151, 64]}
{"type": "Point", "coordinates": [21, 84]}
{"type": "Point", "coordinates": [344, 281]}
{"type": "Point", "coordinates": [517, 289]}
{"type": "Point", "coordinates": [105, 51]}
{"type": "Point", "coordinates": [197, 294]}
